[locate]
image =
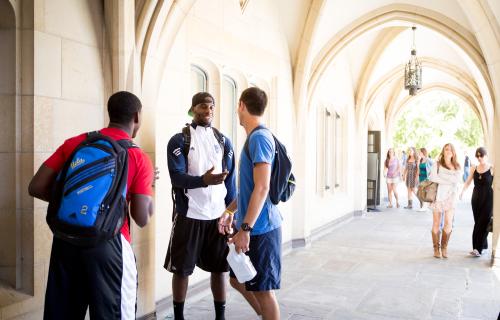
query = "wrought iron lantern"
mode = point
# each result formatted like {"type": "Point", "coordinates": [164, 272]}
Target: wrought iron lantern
{"type": "Point", "coordinates": [413, 70]}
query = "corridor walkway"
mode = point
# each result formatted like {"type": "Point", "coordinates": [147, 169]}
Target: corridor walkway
{"type": "Point", "coordinates": [379, 266]}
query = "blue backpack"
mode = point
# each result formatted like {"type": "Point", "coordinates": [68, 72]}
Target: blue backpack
{"type": "Point", "coordinates": [88, 203]}
{"type": "Point", "coordinates": [282, 183]}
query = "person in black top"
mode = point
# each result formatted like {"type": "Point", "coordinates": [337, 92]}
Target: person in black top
{"type": "Point", "coordinates": [482, 200]}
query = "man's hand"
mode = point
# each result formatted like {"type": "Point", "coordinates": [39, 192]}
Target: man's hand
{"type": "Point", "coordinates": [225, 223]}
{"type": "Point", "coordinates": [212, 179]}
{"type": "Point", "coordinates": [241, 241]}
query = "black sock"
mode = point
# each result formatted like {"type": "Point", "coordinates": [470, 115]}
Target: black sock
{"type": "Point", "coordinates": [220, 308]}
{"type": "Point", "coordinates": [179, 310]}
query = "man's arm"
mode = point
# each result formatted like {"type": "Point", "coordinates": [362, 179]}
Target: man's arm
{"type": "Point", "coordinates": [262, 178]}
{"type": "Point", "coordinates": [141, 208]}
{"type": "Point", "coordinates": [41, 184]}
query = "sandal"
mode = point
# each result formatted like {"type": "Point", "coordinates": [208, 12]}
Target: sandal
{"type": "Point", "coordinates": [475, 253]}
{"type": "Point", "coordinates": [389, 206]}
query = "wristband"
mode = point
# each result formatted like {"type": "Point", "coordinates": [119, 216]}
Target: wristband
{"type": "Point", "coordinates": [229, 212]}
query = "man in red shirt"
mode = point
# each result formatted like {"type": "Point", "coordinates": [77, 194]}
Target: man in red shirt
{"type": "Point", "coordinates": [104, 277]}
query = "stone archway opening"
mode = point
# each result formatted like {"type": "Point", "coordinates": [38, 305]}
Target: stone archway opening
{"type": "Point", "coordinates": [433, 119]}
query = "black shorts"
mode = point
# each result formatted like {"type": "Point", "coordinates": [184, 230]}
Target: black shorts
{"type": "Point", "coordinates": [193, 243]}
{"type": "Point", "coordinates": [101, 278]}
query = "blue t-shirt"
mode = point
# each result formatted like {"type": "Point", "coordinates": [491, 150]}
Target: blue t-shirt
{"type": "Point", "coordinates": [262, 149]}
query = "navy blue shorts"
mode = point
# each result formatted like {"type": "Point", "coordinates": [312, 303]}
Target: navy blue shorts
{"type": "Point", "coordinates": [265, 254]}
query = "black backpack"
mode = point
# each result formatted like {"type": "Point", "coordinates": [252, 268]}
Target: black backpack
{"type": "Point", "coordinates": [186, 133]}
{"type": "Point", "coordinates": [282, 183]}
{"type": "Point", "coordinates": [88, 203]}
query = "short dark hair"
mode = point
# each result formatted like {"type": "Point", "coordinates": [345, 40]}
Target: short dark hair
{"type": "Point", "coordinates": [122, 107]}
{"type": "Point", "coordinates": [481, 152]}
{"type": "Point", "coordinates": [255, 100]}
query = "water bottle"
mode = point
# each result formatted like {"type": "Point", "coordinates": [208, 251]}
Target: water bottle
{"type": "Point", "coordinates": [241, 265]}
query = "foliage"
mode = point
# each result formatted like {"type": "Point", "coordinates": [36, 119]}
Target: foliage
{"type": "Point", "coordinates": [435, 121]}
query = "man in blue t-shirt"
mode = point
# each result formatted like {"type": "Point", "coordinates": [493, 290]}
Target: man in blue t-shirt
{"type": "Point", "coordinates": [257, 220]}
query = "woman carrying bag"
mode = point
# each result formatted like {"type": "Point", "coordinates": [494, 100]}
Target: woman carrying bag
{"type": "Point", "coordinates": [447, 174]}
{"type": "Point", "coordinates": [482, 200]}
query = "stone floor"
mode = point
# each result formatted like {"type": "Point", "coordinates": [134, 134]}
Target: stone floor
{"type": "Point", "coordinates": [379, 266]}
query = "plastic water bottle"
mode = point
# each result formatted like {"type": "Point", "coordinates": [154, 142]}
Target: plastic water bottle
{"type": "Point", "coordinates": [241, 265]}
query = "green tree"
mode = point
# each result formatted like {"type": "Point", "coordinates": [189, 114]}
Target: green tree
{"type": "Point", "coordinates": [433, 121]}
{"type": "Point", "coordinates": [471, 132]}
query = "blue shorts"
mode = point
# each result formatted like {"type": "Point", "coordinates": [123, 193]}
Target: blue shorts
{"type": "Point", "coordinates": [265, 254]}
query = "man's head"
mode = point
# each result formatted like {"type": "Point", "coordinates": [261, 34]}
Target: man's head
{"type": "Point", "coordinates": [124, 109]}
{"type": "Point", "coordinates": [253, 102]}
{"type": "Point", "coordinates": [202, 108]}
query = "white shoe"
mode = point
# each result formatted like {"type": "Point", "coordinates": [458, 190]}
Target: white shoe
{"type": "Point", "coordinates": [475, 253]}
{"type": "Point", "coordinates": [421, 209]}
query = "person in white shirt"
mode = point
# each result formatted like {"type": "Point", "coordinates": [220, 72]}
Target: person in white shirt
{"type": "Point", "coordinates": [446, 172]}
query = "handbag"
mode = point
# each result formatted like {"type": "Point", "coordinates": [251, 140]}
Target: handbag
{"type": "Point", "coordinates": [427, 191]}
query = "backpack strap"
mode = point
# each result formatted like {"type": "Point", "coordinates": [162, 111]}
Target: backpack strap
{"type": "Point", "coordinates": [186, 133]}
{"type": "Point", "coordinates": [93, 134]}
{"type": "Point", "coordinates": [127, 144]}
{"type": "Point", "coordinates": [247, 141]}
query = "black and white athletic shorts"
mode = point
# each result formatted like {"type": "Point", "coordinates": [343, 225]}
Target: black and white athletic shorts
{"type": "Point", "coordinates": [101, 278]}
{"type": "Point", "coordinates": [193, 243]}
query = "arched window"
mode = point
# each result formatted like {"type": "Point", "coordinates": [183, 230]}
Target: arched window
{"type": "Point", "coordinates": [199, 79]}
{"type": "Point", "coordinates": [228, 108]}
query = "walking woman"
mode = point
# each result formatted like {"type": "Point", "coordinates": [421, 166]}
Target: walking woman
{"type": "Point", "coordinates": [424, 170]}
{"type": "Point", "coordinates": [392, 173]}
{"type": "Point", "coordinates": [447, 174]}
{"type": "Point", "coordinates": [410, 175]}
{"type": "Point", "coordinates": [482, 200]}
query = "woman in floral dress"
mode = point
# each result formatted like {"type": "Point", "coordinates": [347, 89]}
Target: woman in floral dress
{"type": "Point", "coordinates": [410, 175]}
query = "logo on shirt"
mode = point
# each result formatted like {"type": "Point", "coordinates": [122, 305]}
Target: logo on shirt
{"type": "Point", "coordinates": [77, 162]}
{"type": "Point", "coordinates": [177, 152]}
{"type": "Point", "coordinates": [230, 154]}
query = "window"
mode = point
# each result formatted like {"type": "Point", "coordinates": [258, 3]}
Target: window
{"type": "Point", "coordinates": [327, 160]}
{"type": "Point", "coordinates": [228, 108]}
{"type": "Point", "coordinates": [329, 174]}
{"type": "Point", "coordinates": [199, 79]}
{"type": "Point", "coordinates": [337, 151]}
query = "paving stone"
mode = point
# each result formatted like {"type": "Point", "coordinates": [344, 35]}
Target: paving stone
{"type": "Point", "coordinates": [481, 308]}
{"type": "Point", "coordinates": [447, 308]}
{"type": "Point", "coordinates": [398, 301]}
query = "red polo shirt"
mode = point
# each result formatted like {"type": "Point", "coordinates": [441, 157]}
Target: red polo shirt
{"type": "Point", "coordinates": [140, 168]}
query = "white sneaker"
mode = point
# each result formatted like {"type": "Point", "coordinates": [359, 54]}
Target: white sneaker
{"type": "Point", "coordinates": [421, 209]}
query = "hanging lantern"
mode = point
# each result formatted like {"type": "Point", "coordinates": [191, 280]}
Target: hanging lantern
{"type": "Point", "coordinates": [413, 70]}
